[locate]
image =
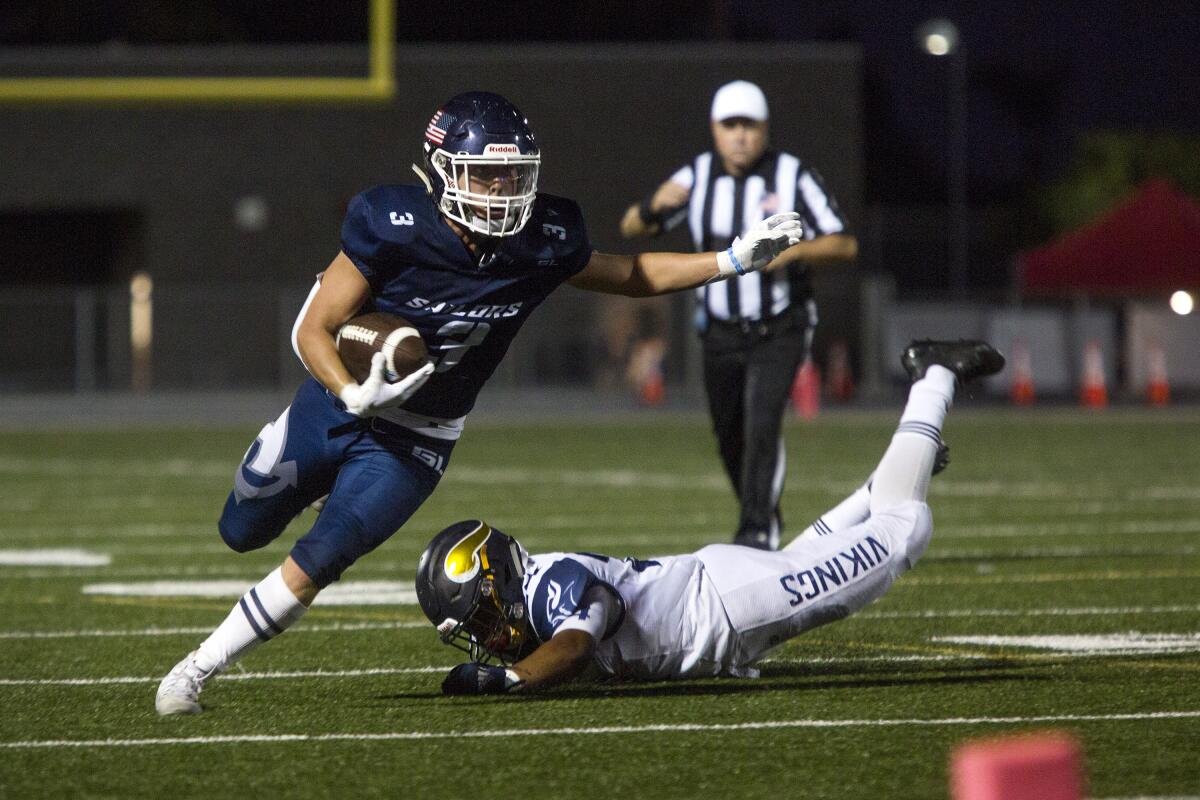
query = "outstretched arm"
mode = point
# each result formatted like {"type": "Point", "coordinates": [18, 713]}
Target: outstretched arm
{"type": "Point", "coordinates": [562, 658]}
{"type": "Point", "coordinates": [565, 655]}
{"type": "Point", "coordinates": [659, 273]}
{"type": "Point", "coordinates": [647, 274]}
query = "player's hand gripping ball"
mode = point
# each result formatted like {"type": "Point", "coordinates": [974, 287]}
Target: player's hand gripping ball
{"type": "Point", "coordinates": [367, 334]}
{"type": "Point", "coordinates": [387, 358]}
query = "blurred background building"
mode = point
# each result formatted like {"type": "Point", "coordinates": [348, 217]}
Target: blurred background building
{"type": "Point", "coordinates": [175, 175]}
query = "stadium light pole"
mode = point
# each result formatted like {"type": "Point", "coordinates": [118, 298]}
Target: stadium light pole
{"type": "Point", "coordinates": [939, 37]}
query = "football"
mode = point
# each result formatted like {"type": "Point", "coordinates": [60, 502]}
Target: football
{"type": "Point", "coordinates": [363, 336]}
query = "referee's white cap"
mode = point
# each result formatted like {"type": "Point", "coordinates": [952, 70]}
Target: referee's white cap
{"type": "Point", "coordinates": [739, 99]}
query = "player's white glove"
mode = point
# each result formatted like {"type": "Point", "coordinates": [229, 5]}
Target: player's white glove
{"type": "Point", "coordinates": [760, 245]}
{"type": "Point", "coordinates": [368, 398]}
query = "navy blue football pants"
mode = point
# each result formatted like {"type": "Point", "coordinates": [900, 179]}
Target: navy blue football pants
{"type": "Point", "coordinates": [375, 473]}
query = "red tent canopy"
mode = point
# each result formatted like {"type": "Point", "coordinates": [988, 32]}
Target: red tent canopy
{"type": "Point", "coordinates": [1149, 243]}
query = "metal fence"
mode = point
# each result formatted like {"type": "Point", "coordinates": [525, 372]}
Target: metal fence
{"type": "Point", "coordinates": [238, 338]}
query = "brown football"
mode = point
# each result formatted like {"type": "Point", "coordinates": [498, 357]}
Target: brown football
{"type": "Point", "coordinates": [367, 334]}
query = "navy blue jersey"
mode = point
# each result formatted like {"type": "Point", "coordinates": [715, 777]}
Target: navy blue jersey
{"type": "Point", "coordinates": [554, 588]}
{"type": "Point", "coordinates": [467, 309]}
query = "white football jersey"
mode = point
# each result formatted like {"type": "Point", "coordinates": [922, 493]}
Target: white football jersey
{"type": "Point", "coordinates": [665, 618]}
{"type": "Point", "coordinates": [720, 609]}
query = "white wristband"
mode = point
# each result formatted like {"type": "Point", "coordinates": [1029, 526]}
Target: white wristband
{"type": "Point", "coordinates": [727, 265]}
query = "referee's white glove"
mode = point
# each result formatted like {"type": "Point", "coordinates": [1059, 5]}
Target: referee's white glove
{"type": "Point", "coordinates": [368, 398]}
{"type": "Point", "coordinates": [760, 246]}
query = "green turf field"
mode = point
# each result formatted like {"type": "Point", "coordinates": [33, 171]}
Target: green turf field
{"type": "Point", "coordinates": [1053, 524]}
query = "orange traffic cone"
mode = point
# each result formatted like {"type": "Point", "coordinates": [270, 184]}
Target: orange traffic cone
{"type": "Point", "coordinates": [1021, 392]}
{"type": "Point", "coordinates": [653, 390]}
{"type": "Point", "coordinates": [840, 380]}
{"type": "Point", "coordinates": [1158, 392]}
{"type": "Point", "coordinates": [1093, 393]}
{"type": "Point", "coordinates": [806, 390]}
{"type": "Point", "coordinates": [645, 371]}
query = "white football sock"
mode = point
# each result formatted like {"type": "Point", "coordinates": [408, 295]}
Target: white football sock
{"type": "Point", "coordinates": [267, 610]}
{"type": "Point", "coordinates": [851, 511]}
{"type": "Point", "coordinates": [904, 472]}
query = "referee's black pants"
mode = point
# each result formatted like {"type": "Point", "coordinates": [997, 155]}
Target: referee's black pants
{"type": "Point", "coordinates": [748, 372]}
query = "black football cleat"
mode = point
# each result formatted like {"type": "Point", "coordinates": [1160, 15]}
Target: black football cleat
{"type": "Point", "coordinates": [968, 359]}
{"type": "Point", "coordinates": [942, 459]}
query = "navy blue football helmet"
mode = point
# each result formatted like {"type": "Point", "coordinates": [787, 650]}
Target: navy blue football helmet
{"type": "Point", "coordinates": [482, 163]}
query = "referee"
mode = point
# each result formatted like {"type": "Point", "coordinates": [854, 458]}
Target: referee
{"type": "Point", "coordinates": [756, 329]}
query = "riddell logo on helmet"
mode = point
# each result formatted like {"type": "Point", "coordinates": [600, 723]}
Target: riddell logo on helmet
{"type": "Point", "coordinates": [509, 149]}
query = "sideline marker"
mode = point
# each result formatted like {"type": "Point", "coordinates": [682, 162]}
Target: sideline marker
{"type": "Point", "coordinates": [1093, 393]}
{"type": "Point", "coordinates": [1046, 766]}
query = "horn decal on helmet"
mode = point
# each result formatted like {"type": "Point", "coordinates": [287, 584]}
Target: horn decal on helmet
{"type": "Point", "coordinates": [465, 559]}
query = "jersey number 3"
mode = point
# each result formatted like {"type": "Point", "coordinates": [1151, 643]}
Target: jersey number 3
{"type": "Point", "coordinates": [459, 336]}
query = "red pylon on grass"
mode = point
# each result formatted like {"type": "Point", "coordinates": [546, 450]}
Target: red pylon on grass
{"type": "Point", "coordinates": [1048, 766]}
{"type": "Point", "coordinates": [1093, 393]}
{"type": "Point", "coordinates": [1158, 391]}
{"type": "Point", "coordinates": [1021, 391]}
{"type": "Point", "coordinates": [806, 390]}
{"type": "Point", "coordinates": [840, 380]}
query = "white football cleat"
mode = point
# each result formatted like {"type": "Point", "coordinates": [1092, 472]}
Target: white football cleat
{"type": "Point", "coordinates": [179, 692]}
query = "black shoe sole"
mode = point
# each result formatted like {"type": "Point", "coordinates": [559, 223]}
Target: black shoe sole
{"type": "Point", "coordinates": [968, 359]}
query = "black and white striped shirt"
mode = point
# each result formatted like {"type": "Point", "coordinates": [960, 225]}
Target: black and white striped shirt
{"type": "Point", "coordinates": [721, 207]}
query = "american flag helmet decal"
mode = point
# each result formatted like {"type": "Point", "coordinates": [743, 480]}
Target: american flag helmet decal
{"type": "Point", "coordinates": [434, 132]}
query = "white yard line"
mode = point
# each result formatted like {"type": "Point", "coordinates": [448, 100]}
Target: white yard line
{"type": "Point", "coordinates": [233, 676]}
{"type": "Point", "coordinates": [942, 554]}
{"type": "Point", "coordinates": [966, 613]}
{"type": "Point", "coordinates": [952, 530]}
{"type": "Point", "coordinates": [214, 572]}
{"type": "Point", "coordinates": [243, 570]}
{"type": "Point", "coordinates": [1050, 655]}
{"type": "Point", "coordinates": [1051, 577]}
{"type": "Point", "coordinates": [1087, 643]}
{"type": "Point", "coordinates": [41, 557]}
{"type": "Point", "coordinates": [602, 478]}
{"type": "Point", "coordinates": [344, 593]}
{"type": "Point", "coordinates": [622, 528]}
{"type": "Point", "coordinates": [801, 660]}
{"type": "Point", "coordinates": [842, 660]}
{"type": "Point", "coordinates": [135, 632]}
{"type": "Point", "coordinates": [600, 730]}
{"type": "Point", "coordinates": [116, 530]}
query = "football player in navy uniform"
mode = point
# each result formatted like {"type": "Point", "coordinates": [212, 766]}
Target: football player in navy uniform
{"type": "Point", "coordinates": [553, 617]}
{"type": "Point", "coordinates": [466, 258]}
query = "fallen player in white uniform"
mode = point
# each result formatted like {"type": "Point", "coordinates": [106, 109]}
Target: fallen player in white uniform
{"type": "Point", "coordinates": [553, 617]}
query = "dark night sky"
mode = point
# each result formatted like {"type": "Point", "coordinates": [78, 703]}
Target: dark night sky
{"type": "Point", "coordinates": [1039, 72]}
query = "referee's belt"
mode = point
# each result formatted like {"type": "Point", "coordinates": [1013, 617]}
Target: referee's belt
{"type": "Point", "coordinates": [791, 318]}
